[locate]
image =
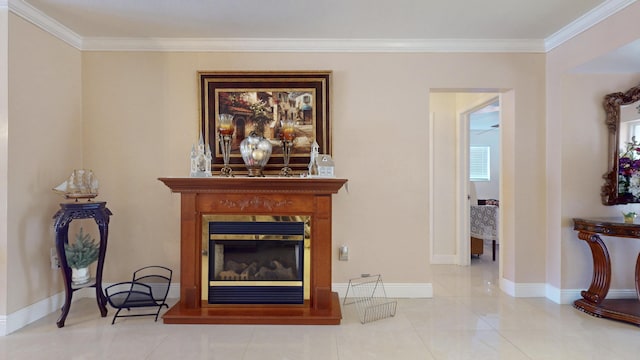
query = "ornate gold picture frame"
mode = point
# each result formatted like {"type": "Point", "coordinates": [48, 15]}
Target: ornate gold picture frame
{"type": "Point", "coordinates": [261, 102]}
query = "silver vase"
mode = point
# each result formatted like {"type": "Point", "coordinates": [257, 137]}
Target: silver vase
{"type": "Point", "coordinates": [255, 150]}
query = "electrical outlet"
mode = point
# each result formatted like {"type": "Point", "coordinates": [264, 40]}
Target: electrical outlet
{"type": "Point", "coordinates": [55, 262]}
{"type": "Point", "coordinates": [343, 253]}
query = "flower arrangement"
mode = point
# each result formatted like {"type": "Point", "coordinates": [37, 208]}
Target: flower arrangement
{"type": "Point", "coordinates": [82, 252]}
{"type": "Point", "coordinates": [629, 171]}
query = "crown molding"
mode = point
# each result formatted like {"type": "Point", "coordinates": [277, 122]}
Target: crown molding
{"type": "Point", "coordinates": [586, 21]}
{"type": "Point", "coordinates": [45, 22]}
{"type": "Point", "coordinates": [310, 45]}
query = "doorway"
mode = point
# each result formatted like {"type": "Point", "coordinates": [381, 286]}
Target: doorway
{"type": "Point", "coordinates": [482, 163]}
{"type": "Point", "coordinates": [449, 204]}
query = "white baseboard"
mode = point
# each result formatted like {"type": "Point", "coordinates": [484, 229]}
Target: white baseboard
{"type": "Point", "coordinates": [558, 296]}
{"type": "Point", "coordinates": [395, 290]}
{"type": "Point", "coordinates": [25, 316]}
{"type": "Point", "coordinates": [31, 313]}
{"type": "Point", "coordinates": [523, 289]}
{"type": "Point", "coordinates": [568, 296]}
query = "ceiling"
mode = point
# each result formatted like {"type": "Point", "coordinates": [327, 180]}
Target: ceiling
{"type": "Point", "coordinates": [323, 19]}
{"type": "Point", "coordinates": [394, 23]}
{"type": "Point", "coordinates": [485, 119]}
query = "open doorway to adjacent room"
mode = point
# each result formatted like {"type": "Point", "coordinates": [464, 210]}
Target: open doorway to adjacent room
{"type": "Point", "coordinates": [465, 131]}
{"type": "Point", "coordinates": [484, 179]}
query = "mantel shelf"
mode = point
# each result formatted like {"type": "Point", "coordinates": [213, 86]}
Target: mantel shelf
{"type": "Point", "coordinates": [254, 184]}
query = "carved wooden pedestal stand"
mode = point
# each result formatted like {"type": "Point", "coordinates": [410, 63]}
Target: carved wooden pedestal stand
{"type": "Point", "coordinates": [67, 213]}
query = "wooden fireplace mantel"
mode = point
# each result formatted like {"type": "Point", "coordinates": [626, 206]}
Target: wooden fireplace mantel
{"type": "Point", "coordinates": [244, 195]}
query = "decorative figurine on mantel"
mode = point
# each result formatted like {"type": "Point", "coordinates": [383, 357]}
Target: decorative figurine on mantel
{"type": "Point", "coordinates": [82, 184]}
{"type": "Point", "coordinates": [325, 166]}
{"type": "Point", "coordinates": [313, 166]}
{"type": "Point", "coordinates": [200, 160]}
{"type": "Point", "coordinates": [320, 165]}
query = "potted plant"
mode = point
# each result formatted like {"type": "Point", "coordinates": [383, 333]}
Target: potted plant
{"type": "Point", "coordinates": [80, 254]}
{"type": "Point", "coordinates": [629, 217]}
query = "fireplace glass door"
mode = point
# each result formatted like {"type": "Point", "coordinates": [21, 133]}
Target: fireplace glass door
{"type": "Point", "coordinates": [256, 259]}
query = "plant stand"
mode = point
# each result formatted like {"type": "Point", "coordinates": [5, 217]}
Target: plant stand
{"type": "Point", "coordinates": [67, 213]}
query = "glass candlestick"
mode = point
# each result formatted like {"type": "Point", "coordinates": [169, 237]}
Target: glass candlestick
{"type": "Point", "coordinates": [225, 135]}
{"type": "Point", "coordinates": [287, 135]}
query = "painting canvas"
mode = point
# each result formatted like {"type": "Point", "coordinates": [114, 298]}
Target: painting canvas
{"type": "Point", "coordinates": [262, 103]}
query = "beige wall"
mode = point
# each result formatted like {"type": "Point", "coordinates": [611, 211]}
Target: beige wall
{"type": "Point", "coordinates": [45, 143]}
{"type": "Point", "coordinates": [141, 118]}
{"type": "Point", "coordinates": [576, 152]}
{"type": "Point", "coordinates": [4, 144]}
{"type": "Point", "coordinates": [442, 106]}
{"type": "Point", "coordinates": [133, 116]}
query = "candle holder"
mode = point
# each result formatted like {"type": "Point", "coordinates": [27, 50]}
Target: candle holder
{"type": "Point", "coordinates": [225, 135]}
{"type": "Point", "coordinates": [287, 135]}
{"type": "Point", "coordinates": [286, 154]}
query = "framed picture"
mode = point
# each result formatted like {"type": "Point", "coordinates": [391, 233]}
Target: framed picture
{"type": "Point", "coordinates": [263, 102]}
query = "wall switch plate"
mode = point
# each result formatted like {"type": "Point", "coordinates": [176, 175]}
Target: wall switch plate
{"type": "Point", "coordinates": [343, 253]}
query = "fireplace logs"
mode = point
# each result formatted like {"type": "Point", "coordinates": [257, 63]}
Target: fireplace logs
{"type": "Point", "coordinates": [241, 271]}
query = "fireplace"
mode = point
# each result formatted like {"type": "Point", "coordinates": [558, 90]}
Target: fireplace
{"type": "Point", "coordinates": [226, 221]}
{"type": "Point", "coordinates": [255, 259]}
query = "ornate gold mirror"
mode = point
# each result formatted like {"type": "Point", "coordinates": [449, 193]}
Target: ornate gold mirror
{"type": "Point", "coordinates": [622, 181]}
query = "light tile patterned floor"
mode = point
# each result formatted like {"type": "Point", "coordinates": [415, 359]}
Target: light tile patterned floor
{"type": "Point", "coordinates": [469, 318]}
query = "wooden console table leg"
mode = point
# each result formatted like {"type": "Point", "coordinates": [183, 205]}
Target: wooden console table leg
{"type": "Point", "coordinates": [638, 277]}
{"type": "Point", "coordinates": [601, 268]}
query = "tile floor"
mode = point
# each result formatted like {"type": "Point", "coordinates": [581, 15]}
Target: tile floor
{"type": "Point", "coordinates": [468, 318]}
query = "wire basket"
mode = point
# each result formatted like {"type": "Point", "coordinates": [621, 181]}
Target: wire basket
{"type": "Point", "coordinates": [370, 298]}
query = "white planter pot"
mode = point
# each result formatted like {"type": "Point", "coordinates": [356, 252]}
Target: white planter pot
{"type": "Point", "coordinates": [80, 276]}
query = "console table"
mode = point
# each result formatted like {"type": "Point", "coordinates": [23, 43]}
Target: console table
{"type": "Point", "coordinates": [67, 213]}
{"type": "Point", "coordinates": [593, 300]}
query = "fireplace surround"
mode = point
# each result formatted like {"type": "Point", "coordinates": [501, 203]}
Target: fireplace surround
{"type": "Point", "coordinates": [203, 199]}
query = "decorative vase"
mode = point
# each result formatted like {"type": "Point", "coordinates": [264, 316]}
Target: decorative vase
{"type": "Point", "coordinates": [80, 276]}
{"type": "Point", "coordinates": [255, 150]}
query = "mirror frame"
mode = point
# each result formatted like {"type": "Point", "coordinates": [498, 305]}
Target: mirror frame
{"type": "Point", "coordinates": [612, 103]}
